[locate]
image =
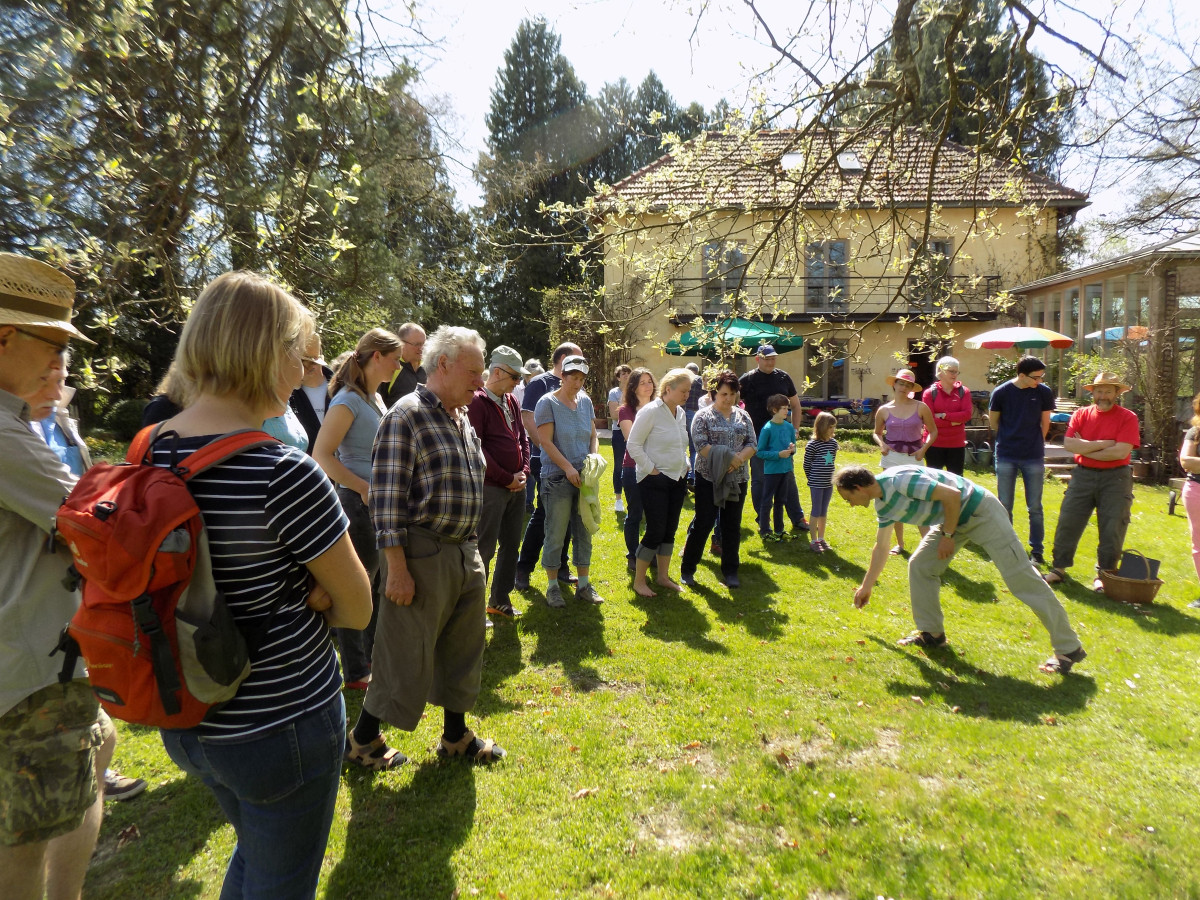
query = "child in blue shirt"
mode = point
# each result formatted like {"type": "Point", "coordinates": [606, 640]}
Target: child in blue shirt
{"type": "Point", "coordinates": [777, 449]}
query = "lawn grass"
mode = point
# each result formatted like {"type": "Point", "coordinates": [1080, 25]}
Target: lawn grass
{"type": "Point", "coordinates": [773, 743]}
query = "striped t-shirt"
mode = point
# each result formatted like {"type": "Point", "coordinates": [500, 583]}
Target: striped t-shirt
{"type": "Point", "coordinates": [908, 496]}
{"type": "Point", "coordinates": [819, 457]}
{"type": "Point", "coordinates": [267, 512]}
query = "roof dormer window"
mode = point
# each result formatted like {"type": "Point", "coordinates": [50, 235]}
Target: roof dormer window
{"type": "Point", "coordinates": [848, 161]}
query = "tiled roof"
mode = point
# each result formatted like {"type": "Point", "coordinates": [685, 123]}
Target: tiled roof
{"type": "Point", "coordinates": [906, 168]}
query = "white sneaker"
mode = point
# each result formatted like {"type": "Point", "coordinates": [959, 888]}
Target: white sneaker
{"type": "Point", "coordinates": [619, 506]}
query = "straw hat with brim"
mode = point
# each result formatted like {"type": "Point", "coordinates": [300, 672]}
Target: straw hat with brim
{"type": "Point", "coordinates": [904, 377]}
{"type": "Point", "coordinates": [1108, 378]}
{"type": "Point", "coordinates": [37, 295]}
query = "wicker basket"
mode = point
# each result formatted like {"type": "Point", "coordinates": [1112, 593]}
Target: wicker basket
{"type": "Point", "coordinates": [1130, 590]}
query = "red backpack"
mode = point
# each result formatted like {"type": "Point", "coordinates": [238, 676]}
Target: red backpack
{"type": "Point", "coordinates": [160, 644]}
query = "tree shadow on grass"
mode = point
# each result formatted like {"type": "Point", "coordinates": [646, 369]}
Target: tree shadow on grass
{"type": "Point", "coordinates": [568, 637]}
{"type": "Point", "coordinates": [401, 841]}
{"type": "Point", "coordinates": [174, 822]}
{"type": "Point", "coordinates": [501, 661]}
{"type": "Point", "coordinates": [832, 564]}
{"type": "Point", "coordinates": [748, 607]}
{"type": "Point", "coordinates": [987, 695]}
{"type": "Point", "coordinates": [674, 617]}
{"type": "Point", "coordinates": [1154, 617]}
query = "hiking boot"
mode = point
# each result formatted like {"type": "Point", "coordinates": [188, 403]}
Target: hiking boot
{"type": "Point", "coordinates": [588, 594]}
{"type": "Point", "coordinates": [554, 597]}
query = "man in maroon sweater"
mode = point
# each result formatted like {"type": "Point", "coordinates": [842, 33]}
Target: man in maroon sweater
{"type": "Point", "coordinates": [496, 417]}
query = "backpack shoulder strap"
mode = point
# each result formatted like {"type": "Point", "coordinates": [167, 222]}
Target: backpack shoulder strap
{"type": "Point", "coordinates": [223, 448]}
{"type": "Point", "coordinates": [139, 448]}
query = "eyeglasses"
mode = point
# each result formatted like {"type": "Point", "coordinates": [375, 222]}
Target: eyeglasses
{"type": "Point", "coordinates": [61, 348]}
{"type": "Point", "coordinates": [1039, 376]}
{"type": "Point", "coordinates": [413, 344]}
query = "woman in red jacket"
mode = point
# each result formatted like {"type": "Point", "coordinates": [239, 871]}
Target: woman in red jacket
{"type": "Point", "coordinates": [951, 404]}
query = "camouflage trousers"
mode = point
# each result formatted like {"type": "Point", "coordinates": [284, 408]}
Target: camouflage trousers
{"type": "Point", "coordinates": [48, 745]}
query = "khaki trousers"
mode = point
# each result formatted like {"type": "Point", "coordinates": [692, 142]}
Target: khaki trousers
{"type": "Point", "coordinates": [990, 529]}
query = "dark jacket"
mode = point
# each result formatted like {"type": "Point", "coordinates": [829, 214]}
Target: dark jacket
{"type": "Point", "coordinates": [304, 411]}
{"type": "Point", "coordinates": [505, 449]}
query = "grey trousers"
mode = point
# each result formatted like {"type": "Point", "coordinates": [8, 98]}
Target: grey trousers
{"type": "Point", "coordinates": [432, 650]}
{"type": "Point", "coordinates": [1110, 493]}
{"type": "Point", "coordinates": [990, 529]}
{"type": "Point", "coordinates": [500, 528]}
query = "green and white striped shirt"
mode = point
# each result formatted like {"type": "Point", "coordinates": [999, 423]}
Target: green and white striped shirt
{"type": "Point", "coordinates": [908, 496]}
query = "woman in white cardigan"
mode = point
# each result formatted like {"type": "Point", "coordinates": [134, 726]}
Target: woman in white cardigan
{"type": "Point", "coordinates": [658, 444]}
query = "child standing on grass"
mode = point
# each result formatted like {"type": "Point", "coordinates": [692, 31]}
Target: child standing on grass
{"type": "Point", "coordinates": [819, 458]}
{"type": "Point", "coordinates": [777, 449]}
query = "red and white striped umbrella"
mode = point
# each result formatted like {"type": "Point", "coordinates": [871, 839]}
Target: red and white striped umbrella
{"type": "Point", "coordinates": [1021, 337]}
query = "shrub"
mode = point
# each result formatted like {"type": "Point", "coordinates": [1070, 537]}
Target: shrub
{"type": "Point", "coordinates": [124, 419]}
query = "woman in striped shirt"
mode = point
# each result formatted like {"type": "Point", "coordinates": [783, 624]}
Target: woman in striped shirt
{"type": "Point", "coordinates": [281, 556]}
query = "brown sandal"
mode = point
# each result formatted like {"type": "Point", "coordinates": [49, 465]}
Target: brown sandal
{"type": "Point", "coordinates": [1054, 576]}
{"type": "Point", "coordinates": [376, 756]}
{"type": "Point", "coordinates": [472, 748]}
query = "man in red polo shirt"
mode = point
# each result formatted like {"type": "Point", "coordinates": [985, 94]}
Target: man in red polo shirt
{"type": "Point", "coordinates": [1101, 436]}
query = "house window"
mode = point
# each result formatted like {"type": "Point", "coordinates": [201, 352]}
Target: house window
{"type": "Point", "coordinates": [724, 274]}
{"type": "Point", "coordinates": [826, 276]}
{"type": "Point", "coordinates": [931, 282]}
{"type": "Point", "coordinates": [826, 365]}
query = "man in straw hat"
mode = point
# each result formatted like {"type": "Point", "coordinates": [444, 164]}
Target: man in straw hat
{"type": "Point", "coordinates": [49, 814]}
{"type": "Point", "coordinates": [1101, 436]}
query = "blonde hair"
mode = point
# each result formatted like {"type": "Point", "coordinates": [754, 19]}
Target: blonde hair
{"type": "Point", "coordinates": [350, 373]}
{"type": "Point", "coordinates": [238, 336]}
{"type": "Point", "coordinates": [824, 425]}
{"type": "Point", "coordinates": [674, 379]}
{"type": "Point", "coordinates": [174, 387]}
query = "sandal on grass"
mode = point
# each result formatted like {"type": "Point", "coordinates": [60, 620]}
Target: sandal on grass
{"type": "Point", "coordinates": [376, 756]}
{"type": "Point", "coordinates": [896, 551]}
{"type": "Point", "coordinates": [1061, 665]}
{"type": "Point", "coordinates": [472, 748]}
{"type": "Point", "coordinates": [923, 639]}
{"type": "Point", "coordinates": [1054, 576]}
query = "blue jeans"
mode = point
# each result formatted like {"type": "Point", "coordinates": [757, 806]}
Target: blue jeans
{"type": "Point", "coordinates": [278, 790]}
{"type": "Point", "coordinates": [779, 491]}
{"type": "Point", "coordinates": [1033, 474]}
{"type": "Point", "coordinates": [560, 499]}
{"type": "Point", "coordinates": [633, 512]}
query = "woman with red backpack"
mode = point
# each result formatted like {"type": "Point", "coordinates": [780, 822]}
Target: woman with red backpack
{"type": "Point", "coordinates": [282, 557]}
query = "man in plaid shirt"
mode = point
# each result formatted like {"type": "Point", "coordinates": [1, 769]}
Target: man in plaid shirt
{"type": "Point", "coordinates": [426, 498]}
{"type": "Point", "coordinates": [955, 511]}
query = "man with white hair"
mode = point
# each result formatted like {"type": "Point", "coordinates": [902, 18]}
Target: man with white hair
{"type": "Point", "coordinates": [426, 497]}
{"type": "Point", "coordinates": [50, 812]}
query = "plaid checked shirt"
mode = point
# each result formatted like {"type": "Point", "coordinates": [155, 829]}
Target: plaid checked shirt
{"type": "Point", "coordinates": [427, 469]}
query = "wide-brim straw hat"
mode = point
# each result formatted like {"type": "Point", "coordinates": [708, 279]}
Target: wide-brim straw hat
{"type": "Point", "coordinates": [1108, 378]}
{"type": "Point", "coordinates": [904, 376]}
{"type": "Point", "coordinates": [36, 295]}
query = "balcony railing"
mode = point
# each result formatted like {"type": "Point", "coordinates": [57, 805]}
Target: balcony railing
{"type": "Point", "coordinates": [960, 295]}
